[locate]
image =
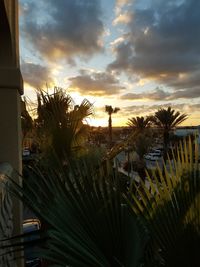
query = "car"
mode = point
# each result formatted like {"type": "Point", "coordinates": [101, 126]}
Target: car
{"type": "Point", "coordinates": [29, 226]}
{"type": "Point", "coordinates": [156, 152]}
{"type": "Point", "coordinates": [152, 156]}
{"type": "Point", "coordinates": [26, 152]}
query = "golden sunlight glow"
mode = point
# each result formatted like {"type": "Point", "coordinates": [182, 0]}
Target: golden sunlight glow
{"type": "Point", "coordinates": [182, 75]}
{"type": "Point", "coordinates": [146, 30]}
{"type": "Point", "coordinates": [163, 75]}
{"type": "Point", "coordinates": [100, 118]}
{"type": "Point", "coordinates": [142, 82]}
{"type": "Point", "coordinates": [117, 41]}
{"type": "Point", "coordinates": [122, 18]}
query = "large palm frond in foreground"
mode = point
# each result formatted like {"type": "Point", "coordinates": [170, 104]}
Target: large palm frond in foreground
{"type": "Point", "coordinates": [87, 222]}
{"type": "Point", "coordinates": [170, 210]}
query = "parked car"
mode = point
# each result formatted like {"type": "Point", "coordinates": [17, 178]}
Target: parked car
{"type": "Point", "coordinates": [156, 151]}
{"type": "Point", "coordinates": [152, 156]}
{"type": "Point", "coordinates": [26, 152]}
{"type": "Point", "coordinates": [31, 225]}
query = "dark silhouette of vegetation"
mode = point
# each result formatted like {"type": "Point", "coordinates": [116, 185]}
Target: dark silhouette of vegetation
{"type": "Point", "coordinates": [60, 123]}
{"type": "Point", "coordinates": [89, 223]}
{"type": "Point", "coordinates": [139, 123]}
{"type": "Point", "coordinates": [166, 120]}
{"type": "Point", "coordinates": [26, 119]}
{"type": "Point", "coordinates": [110, 110]}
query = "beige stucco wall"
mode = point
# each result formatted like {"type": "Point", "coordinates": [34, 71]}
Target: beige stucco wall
{"type": "Point", "coordinates": [12, 11]}
{"type": "Point", "coordinates": [11, 86]}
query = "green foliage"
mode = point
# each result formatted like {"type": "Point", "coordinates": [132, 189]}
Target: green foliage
{"type": "Point", "coordinates": [87, 222]}
{"type": "Point", "coordinates": [60, 124]}
{"type": "Point", "coordinates": [26, 120]}
{"type": "Point", "coordinates": [170, 210]}
{"type": "Point", "coordinates": [142, 144]}
{"type": "Point", "coordinates": [110, 110]}
{"type": "Point", "coordinates": [139, 123]}
{"type": "Point", "coordinates": [167, 119]}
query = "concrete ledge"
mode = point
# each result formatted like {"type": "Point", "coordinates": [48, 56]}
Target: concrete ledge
{"type": "Point", "coordinates": [11, 78]}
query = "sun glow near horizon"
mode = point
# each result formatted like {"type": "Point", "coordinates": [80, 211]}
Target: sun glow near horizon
{"type": "Point", "coordinates": [100, 117]}
{"type": "Point", "coordinates": [111, 53]}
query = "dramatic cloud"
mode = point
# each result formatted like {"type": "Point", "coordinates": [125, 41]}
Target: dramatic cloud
{"type": "Point", "coordinates": [120, 4]}
{"type": "Point", "coordinates": [35, 75]}
{"type": "Point", "coordinates": [96, 83]}
{"type": "Point", "coordinates": [139, 110]}
{"type": "Point", "coordinates": [162, 42]}
{"type": "Point", "coordinates": [123, 18]}
{"type": "Point", "coordinates": [62, 29]}
{"type": "Point", "coordinates": [161, 95]}
{"type": "Point", "coordinates": [157, 94]}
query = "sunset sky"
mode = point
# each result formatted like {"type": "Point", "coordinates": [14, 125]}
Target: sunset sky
{"type": "Point", "coordinates": [138, 55]}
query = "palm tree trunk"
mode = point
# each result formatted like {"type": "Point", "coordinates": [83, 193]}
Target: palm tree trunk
{"type": "Point", "coordinates": [165, 144]}
{"type": "Point", "coordinates": [110, 130]}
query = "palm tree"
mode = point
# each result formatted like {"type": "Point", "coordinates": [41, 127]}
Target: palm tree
{"type": "Point", "coordinates": [110, 110]}
{"type": "Point", "coordinates": [167, 120]}
{"type": "Point", "coordinates": [142, 142]}
{"type": "Point", "coordinates": [139, 123]}
{"type": "Point", "coordinates": [59, 123]}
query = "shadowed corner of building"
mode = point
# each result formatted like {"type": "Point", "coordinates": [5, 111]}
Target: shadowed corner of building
{"type": "Point", "coordinates": [11, 87]}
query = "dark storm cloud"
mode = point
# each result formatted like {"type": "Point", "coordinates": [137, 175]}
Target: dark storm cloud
{"type": "Point", "coordinates": [62, 29]}
{"type": "Point", "coordinates": [35, 75]}
{"type": "Point", "coordinates": [96, 83]}
{"type": "Point", "coordinates": [163, 41]}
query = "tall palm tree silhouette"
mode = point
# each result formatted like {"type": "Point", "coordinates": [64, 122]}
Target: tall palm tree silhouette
{"type": "Point", "coordinates": [110, 110]}
{"type": "Point", "coordinates": [168, 119]}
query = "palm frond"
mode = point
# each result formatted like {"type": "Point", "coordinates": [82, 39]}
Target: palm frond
{"type": "Point", "coordinates": [171, 207]}
{"type": "Point", "coordinates": [139, 122]}
{"type": "Point", "coordinates": [59, 124]}
{"type": "Point", "coordinates": [168, 118]}
{"type": "Point", "coordinates": [88, 224]}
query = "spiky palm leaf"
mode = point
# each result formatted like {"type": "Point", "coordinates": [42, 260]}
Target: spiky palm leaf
{"type": "Point", "coordinates": [26, 120]}
{"type": "Point", "coordinates": [170, 210]}
{"type": "Point", "coordinates": [53, 106]}
{"type": "Point", "coordinates": [168, 118]}
{"type": "Point", "coordinates": [110, 110]}
{"type": "Point", "coordinates": [88, 224]}
{"type": "Point", "coordinates": [60, 127]}
{"type": "Point", "coordinates": [139, 123]}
